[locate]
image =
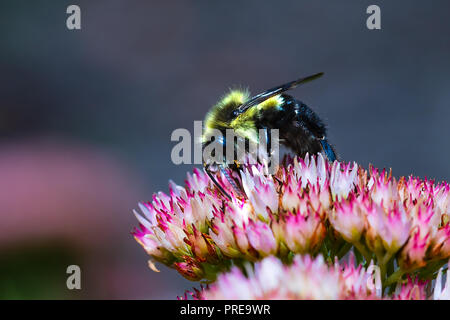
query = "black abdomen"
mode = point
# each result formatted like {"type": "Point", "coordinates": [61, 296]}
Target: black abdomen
{"type": "Point", "coordinates": [300, 129]}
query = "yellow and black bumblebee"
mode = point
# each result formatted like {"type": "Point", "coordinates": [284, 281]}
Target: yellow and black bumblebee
{"type": "Point", "coordinates": [300, 128]}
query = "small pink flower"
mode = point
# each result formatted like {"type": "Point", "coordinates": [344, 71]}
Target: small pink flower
{"type": "Point", "coordinates": [261, 238]}
{"type": "Point", "coordinates": [261, 191]}
{"type": "Point", "coordinates": [242, 242]}
{"type": "Point", "coordinates": [290, 200]}
{"type": "Point", "coordinates": [319, 200]}
{"type": "Point", "coordinates": [343, 179]}
{"type": "Point", "coordinates": [440, 246]}
{"type": "Point", "coordinates": [412, 255]}
{"type": "Point", "coordinates": [348, 219]}
{"type": "Point", "coordinates": [360, 283]}
{"type": "Point", "coordinates": [301, 233]}
{"type": "Point", "coordinates": [190, 269]}
{"type": "Point", "coordinates": [311, 170]}
{"type": "Point", "coordinates": [198, 181]}
{"type": "Point", "coordinates": [412, 290]}
{"type": "Point", "coordinates": [201, 245]}
{"type": "Point", "coordinates": [441, 197]}
{"type": "Point", "coordinates": [222, 235]}
{"type": "Point", "coordinates": [148, 241]}
{"type": "Point", "coordinates": [383, 189]}
{"type": "Point", "coordinates": [390, 229]}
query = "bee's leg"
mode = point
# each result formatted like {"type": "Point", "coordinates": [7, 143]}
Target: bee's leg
{"type": "Point", "coordinates": [328, 149]}
{"type": "Point", "coordinates": [216, 183]}
{"type": "Point", "coordinates": [269, 145]}
{"type": "Point", "coordinates": [232, 182]}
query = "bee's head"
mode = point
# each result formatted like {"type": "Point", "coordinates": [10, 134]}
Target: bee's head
{"type": "Point", "coordinates": [228, 106]}
{"type": "Point", "coordinates": [223, 113]}
{"type": "Point", "coordinates": [226, 109]}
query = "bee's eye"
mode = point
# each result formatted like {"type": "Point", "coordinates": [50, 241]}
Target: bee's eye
{"type": "Point", "coordinates": [235, 113]}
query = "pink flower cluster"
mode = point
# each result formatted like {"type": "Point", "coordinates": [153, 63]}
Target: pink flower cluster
{"type": "Point", "coordinates": [307, 278]}
{"type": "Point", "coordinates": [308, 207]}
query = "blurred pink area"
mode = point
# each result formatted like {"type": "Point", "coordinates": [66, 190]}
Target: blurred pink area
{"type": "Point", "coordinates": [62, 190]}
{"type": "Point", "coordinates": [70, 194]}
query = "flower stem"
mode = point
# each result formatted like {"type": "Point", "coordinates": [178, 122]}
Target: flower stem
{"type": "Point", "coordinates": [393, 278]}
{"type": "Point", "coordinates": [344, 249]}
{"type": "Point", "coordinates": [358, 245]}
{"type": "Point", "coordinates": [383, 263]}
{"type": "Point", "coordinates": [431, 268]}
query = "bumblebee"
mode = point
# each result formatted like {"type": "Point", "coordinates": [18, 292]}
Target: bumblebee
{"type": "Point", "coordinates": [300, 128]}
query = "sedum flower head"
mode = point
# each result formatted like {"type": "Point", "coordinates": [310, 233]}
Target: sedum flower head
{"type": "Point", "coordinates": [308, 207]}
{"type": "Point", "coordinates": [306, 278]}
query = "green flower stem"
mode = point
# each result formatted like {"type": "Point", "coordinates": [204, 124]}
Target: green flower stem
{"type": "Point", "coordinates": [390, 267]}
{"type": "Point", "coordinates": [361, 248]}
{"type": "Point", "coordinates": [211, 271]}
{"type": "Point", "coordinates": [395, 277]}
{"type": "Point", "coordinates": [382, 270]}
{"type": "Point", "coordinates": [383, 263]}
{"type": "Point", "coordinates": [432, 267]}
{"type": "Point", "coordinates": [358, 256]}
{"type": "Point", "coordinates": [325, 254]}
{"type": "Point", "coordinates": [344, 249]}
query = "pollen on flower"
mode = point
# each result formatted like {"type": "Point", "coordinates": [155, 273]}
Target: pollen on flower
{"type": "Point", "coordinates": [308, 207]}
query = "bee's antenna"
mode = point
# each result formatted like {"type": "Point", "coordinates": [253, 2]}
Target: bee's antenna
{"type": "Point", "coordinates": [277, 90]}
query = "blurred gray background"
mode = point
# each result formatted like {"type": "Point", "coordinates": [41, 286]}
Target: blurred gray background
{"type": "Point", "coordinates": [116, 89]}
